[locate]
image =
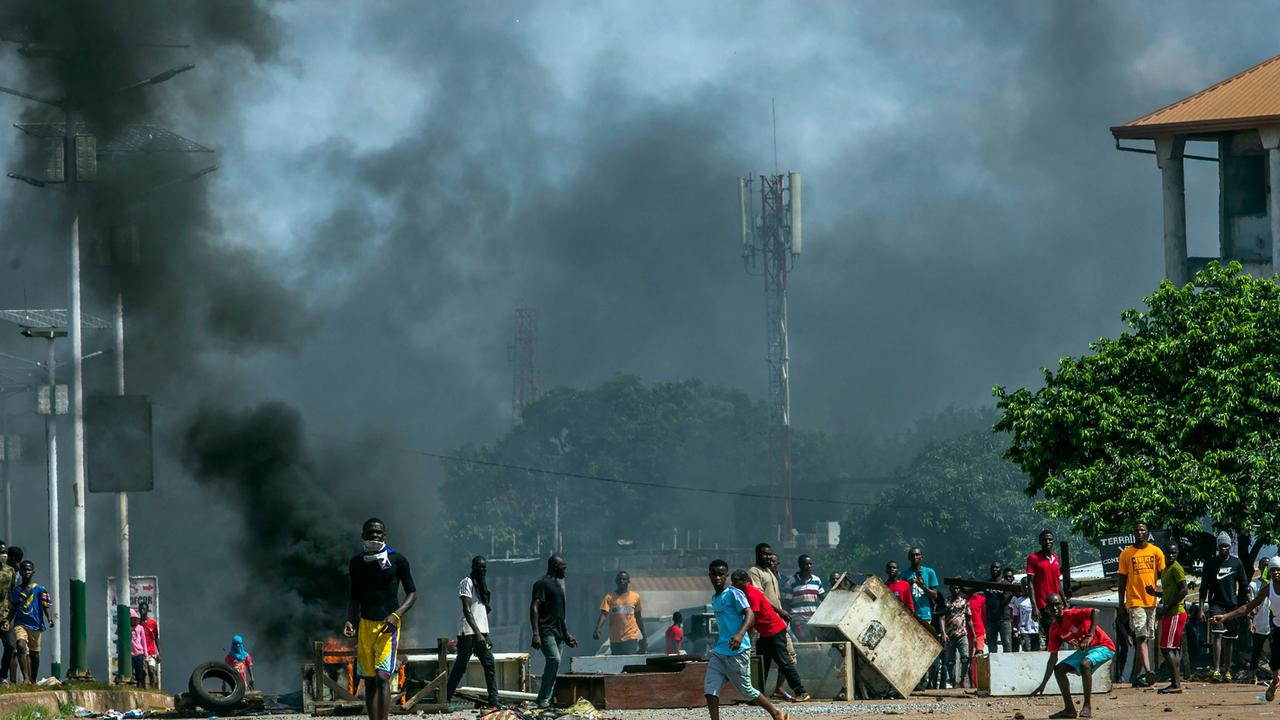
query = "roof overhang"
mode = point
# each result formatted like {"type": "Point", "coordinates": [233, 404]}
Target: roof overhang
{"type": "Point", "coordinates": [1151, 132]}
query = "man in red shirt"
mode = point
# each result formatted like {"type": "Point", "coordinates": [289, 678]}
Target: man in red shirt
{"type": "Point", "coordinates": [898, 586]}
{"type": "Point", "coordinates": [1078, 629]}
{"type": "Point", "coordinates": [675, 634]}
{"type": "Point", "coordinates": [1046, 578]}
{"type": "Point", "coordinates": [772, 644]}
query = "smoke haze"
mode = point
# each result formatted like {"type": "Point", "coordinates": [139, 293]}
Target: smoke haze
{"type": "Point", "coordinates": [396, 177]}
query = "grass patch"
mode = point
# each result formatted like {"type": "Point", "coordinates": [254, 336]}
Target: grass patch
{"type": "Point", "coordinates": [31, 712]}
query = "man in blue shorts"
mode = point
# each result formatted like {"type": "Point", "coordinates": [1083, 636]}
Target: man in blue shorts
{"type": "Point", "coordinates": [730, 660]}
{"type": "Point", "coordinates": [1078, 629]}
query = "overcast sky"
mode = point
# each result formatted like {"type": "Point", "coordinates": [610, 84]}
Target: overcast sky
{"type": "Point", "coordinates": [401, 175]}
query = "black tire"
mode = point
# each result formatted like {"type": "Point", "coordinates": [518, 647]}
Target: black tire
{"type": "Point", "coordinates": [216, 671]}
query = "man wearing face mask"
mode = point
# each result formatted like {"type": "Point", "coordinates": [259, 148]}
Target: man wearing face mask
{"type": "Point", "coordinates": [375, 613]}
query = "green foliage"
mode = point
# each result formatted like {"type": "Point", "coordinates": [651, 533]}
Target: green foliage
{"type": "Point", "coordinates": [962, 503]}
{"type": "Point", "coordinates": [673, 433]}
{"type": "Point", "coordinates": [682, 433]}
{"type": "Point", "coordinates": [1171, 422]}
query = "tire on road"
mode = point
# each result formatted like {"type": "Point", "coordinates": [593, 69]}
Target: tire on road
{"type": "Point", "coordinates": [211, 700]}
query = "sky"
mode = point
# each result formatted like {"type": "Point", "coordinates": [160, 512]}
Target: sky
{"type": "Point", "coordinates": [396, 177]}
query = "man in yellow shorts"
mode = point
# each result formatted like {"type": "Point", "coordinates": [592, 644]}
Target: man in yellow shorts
{"type": "Point", "coordinates": [375, 612]}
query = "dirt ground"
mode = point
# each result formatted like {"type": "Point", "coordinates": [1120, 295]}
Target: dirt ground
{"type": "Point", "coordinates": [1200, 700]}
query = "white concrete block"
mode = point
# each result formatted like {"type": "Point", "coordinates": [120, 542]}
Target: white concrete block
{"type": "Point", "coordinates": [1019, 673]}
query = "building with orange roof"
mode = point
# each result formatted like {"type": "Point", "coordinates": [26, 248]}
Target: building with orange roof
{"type": "Point", "coordinates": [1241, 115]}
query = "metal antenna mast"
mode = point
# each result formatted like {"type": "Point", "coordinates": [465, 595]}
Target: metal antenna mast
{"type": "Point", "coordinates": [525, 385]}
{"type": "Point", "coordinates": [771, 242]}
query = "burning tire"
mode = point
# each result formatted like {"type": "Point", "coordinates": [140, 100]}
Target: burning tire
{"type": "Point", "coordinates": [231, 694]}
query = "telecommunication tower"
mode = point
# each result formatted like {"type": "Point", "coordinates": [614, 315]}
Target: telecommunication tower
{"type": "Point", "coordinates": [525, 386]}
{"type": "Point", "coordinates": [771, 242]}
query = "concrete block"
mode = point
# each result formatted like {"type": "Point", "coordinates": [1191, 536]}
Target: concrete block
{"type": "Point", "coordinates": [1002, 674]}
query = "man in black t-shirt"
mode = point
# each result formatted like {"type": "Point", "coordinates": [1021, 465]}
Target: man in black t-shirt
{"type": "Point", "coordinates": [546, 618]}
{"type": "Point", "coordinates": [375, 612]}
{"type": "Point", "coordinates": [1223, 589]}
{"type": "Point", "coordinates": [999, 622]}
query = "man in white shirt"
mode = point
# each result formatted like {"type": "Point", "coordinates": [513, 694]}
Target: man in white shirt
{"type": "Point", "coordinates": [473, 631]}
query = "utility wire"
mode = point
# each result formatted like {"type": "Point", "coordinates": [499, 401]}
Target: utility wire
{"type": "Point", "coordinates": [633, 483]}
{"type": "Point", "coordinates": [619, 481]}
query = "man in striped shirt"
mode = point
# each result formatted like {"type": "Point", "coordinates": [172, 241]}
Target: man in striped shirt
{"type": "Point", "coordinates": [801, 596]}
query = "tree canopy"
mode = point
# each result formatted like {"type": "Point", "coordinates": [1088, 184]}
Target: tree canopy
{"type": "Point", "coordinates": [1173, 421]}
{"type": "Point", "coordinates": [962, 503]}
{"type": "Point", "coordinates": [684, 433]}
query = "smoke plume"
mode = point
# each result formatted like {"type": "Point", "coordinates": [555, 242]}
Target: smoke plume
{"type": "Point", "coordinates": [292, 537]}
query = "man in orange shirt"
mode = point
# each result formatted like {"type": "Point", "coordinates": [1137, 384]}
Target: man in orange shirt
{"type": "Point", "coordinates": [624, 611]}
{"type": "Point", "coordinates": [1140, 564]}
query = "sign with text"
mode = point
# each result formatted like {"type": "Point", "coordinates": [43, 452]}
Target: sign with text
{"type": "Point", "coordinates": [141, 587]}
{"type": "Point", "coordinates": [1110, 547]}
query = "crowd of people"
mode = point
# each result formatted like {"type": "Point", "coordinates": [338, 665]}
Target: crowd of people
{"type": "Point", "coordinates": [764, 610]}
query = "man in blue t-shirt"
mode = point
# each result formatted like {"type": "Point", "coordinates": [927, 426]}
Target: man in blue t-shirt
{"type": "Point", "coordinates": [29, 615]}
{"type": "Point", "coordinates": [730, 660]}
{"type": "Point", "coordinates": [924, 592]}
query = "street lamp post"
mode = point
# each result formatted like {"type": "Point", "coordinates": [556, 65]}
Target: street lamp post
{"type": "Point", "coordinates": [71, 169]}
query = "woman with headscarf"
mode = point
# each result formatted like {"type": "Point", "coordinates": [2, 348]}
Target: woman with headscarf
{"type": "Point", "coordinates": [240, 660]}
{"type": "Point", "coordinates": [473, 631]}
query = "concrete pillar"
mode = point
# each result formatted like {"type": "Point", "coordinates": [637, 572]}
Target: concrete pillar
{"type": "Point", "coordinates": [1169, 158]}
{"type": "Point", "coordinates": [1271, 141]}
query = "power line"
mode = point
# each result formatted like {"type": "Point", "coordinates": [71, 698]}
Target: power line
{"type": "Point", "coordinates": [633, 483]}
{"type": "Point", "coordinates": [619, 481]}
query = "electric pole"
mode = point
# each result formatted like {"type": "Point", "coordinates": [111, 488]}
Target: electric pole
{"type": "Point", "coordinates": [771, 242]}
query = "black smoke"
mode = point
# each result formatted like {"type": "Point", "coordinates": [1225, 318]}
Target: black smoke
{"type": "Point", "coordinates": [294, 539]}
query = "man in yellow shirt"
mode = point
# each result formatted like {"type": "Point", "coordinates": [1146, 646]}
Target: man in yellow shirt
{"type": "Point", "coordinates": [1140, 564]}
{"type": "Point", "coordinates": [624, 611]}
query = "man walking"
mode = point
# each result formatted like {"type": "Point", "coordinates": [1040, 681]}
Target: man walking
{"type": "Point", "coordinates": [729, 660]}
{"type": "Point", "coordinates": [764, 575]}
{"type": "Point", "coordinates": [1173, 616]}
{"type": "Point", "coordinates": [624, 611]}
{"type": "Point", "coordinates": [29, 615]}
{"type": "Point", "coordinates": [999, 620]}
{"type": "Point", "coordinates": [1077, 629]}
{"type": "Point", "coordinates": [473, 631]}
{"type": "Point", "coordinates": [375, 613]}
{"type": "Point", "coordinates": [547, 618]}
{"type": "Point", "coordinates": [1046, 578]}
{"type": "Point", "coordinates": [1140, 564]}
{"type": "Point", "coordinates": [771, 644]}
{"type": "Point", "coordinates": [1222, 590]}
{"type": "Point", "coordinates": [801, 597]}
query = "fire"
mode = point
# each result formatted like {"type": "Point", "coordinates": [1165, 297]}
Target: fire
{"type": "Point", "coordinates": [337, 651]}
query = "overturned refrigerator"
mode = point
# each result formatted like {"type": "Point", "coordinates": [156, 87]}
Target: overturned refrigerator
{"type": "Point", "coordinates": [893, 649]}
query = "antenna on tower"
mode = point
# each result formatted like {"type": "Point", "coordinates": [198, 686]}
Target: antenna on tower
{"type": "Point", "coordinates": [771, 242]}
{"type": "Point", "coordinates": [525, 383]}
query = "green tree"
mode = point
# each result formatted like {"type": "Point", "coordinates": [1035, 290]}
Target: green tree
{"type": "Point", "coordinates": [962, 503]}
{"type": "Point", "coordinates": [684, 433]}
{"type": "Point", "coordinates": [1172, 422]}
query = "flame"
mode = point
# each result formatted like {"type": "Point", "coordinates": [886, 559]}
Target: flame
{"type": "Point", "coordinates": [338, 651]}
